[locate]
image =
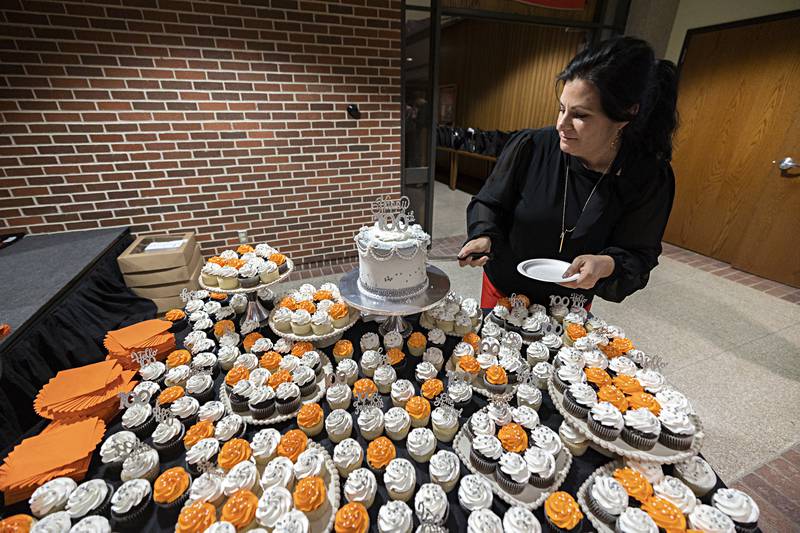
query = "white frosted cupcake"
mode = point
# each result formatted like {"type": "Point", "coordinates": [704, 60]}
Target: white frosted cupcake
{"type": "Point", "coordinates": [525, 416]}
{"type": "Point", "coordinates": [399, 479]}
{"type": "Point", "coordinates": [243, 476]}
{"type": "Point", "coordinates": [697, 474]}
{"type": "Point", "coordinates": [370, 361]}
{"type": "Point", "coordinates": [282, 318]}
{"type": "Point", "coordinates": [273, 504]}
{"type": "Point", "coordinates": [402, 390]}
{"type": "Point", "coordinates": [708, 518]}
{"type": "Point", "coordinates": [370, 423]}
{"type": "Point", "coordinates": [310, 463]}
{"type": "Point", "coordinates": [278, 473]}
{"type": "Point", "coordinates": [512, 473]}
{"type": "Point", "coordinates": [484, 521]}
{"type": "Point", "coordinates": [445, 469]}
{"type": "Point", "coordinates": [301, 322]}
{"type": "Point", "coordinates": [474, 493]}
{"type": "Point", "coordinates": [339, 425]}
{"type": "Point", "coordinates": [460, 392]}
{"type": "Point", "coordinates": [348, 456]}
{"type": "Point", "coordinates": [434, 356]}
{"type": "Point", "coordinates": [541, 373]}
{"type": "Point", "coordinates": [480, 424]}
{"type": "Point", "coordinates": [634, 520]}
{"type": "Point", "coordinates": [421, 444]}
{"type": "Point", "coordinates": [575, 441]}
{"type": "Point", "coordinates": [264, 445]}
{"type": "Point", "coordinates": [607, 499]}
{"type": "Point", "coordinates": [676, 492]}
{"type": "Point", "coordinates": [361, 486]}
{"type": "Point", "coordinates": [529, 395]}
{"type": "Point", "coordinates": [425, 371]}
{"type": "Point", "coordinates": [431, 501]}
{"type": "Point", "coordinates": [369, 341]}
{"type": "Point", "coordinates": [393, 339]}
{"type": "Point", "coordinates": [520, 520]}
{"type": "Point", "coordinates": [349, 368]}
{"type": "Point", "coordinates": [395, 517]}
{"type": "Point", "coordinates": [339, 396]}
{"type": "Point", "coordinates": [445, 423]}
{"type": "Point", "coordinates": [53, 495]}
{"type": "Point", "coordinates": [385, 376]}
{"type": "Point", "coordinates": [396, 423]}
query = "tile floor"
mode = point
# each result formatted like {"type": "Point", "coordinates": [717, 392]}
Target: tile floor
{"type": "Point", "coordinates": [732, 341]}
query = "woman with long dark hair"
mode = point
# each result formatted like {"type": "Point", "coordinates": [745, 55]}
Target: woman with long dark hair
{"type": "Point", "coordinates": [595, 191]}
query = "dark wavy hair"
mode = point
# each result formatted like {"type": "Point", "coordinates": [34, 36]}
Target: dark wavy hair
{"type": "Point", "coordinates": [625, 72]}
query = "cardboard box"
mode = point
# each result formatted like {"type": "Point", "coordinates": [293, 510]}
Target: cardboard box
{"type": "Point", "coordinates": [166, 276]}
{"type": "Point", "coordinates": [165, 304]}
{"type": "Point", "coordinates": [168, 290]}
{"type": "Point", "coordinates": [158, 252]}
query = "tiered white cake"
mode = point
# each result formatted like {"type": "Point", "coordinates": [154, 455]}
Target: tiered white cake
{"type": "Point", "coordinates": [392, 253]}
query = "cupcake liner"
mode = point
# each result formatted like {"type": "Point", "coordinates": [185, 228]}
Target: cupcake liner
{"type": "Point", "coordinates": [561, 386]}
{"type": "Point", "coordinates": [263, 412]}
{"type": "Point", "coordinates": [508, 485]}
{"type": "Point", "coordinates": [248, 283]}
{"type": "Point", "coordinates": [204, 396]}
{"type": "Point", "coordinates": [397, 435]}
{"type": "Point", "coordinates": [104, 509]}
{"type": "Point", "coordinates": [420, 422]}
{"type": "Point", "coordinates": [541, 482]}
{"type": "Point", "coordinates": [370, 435]}
{"type": "Point", "coordinates": [596, 510]}
{"type": "Point", "coordinates": [639, 440]}
{"type": "Point", "coordinates": [170, 450]}
{"type": "Point", "coordinates": [313, 431]}
{"type": "Point", "coordinates": [555, 529]}
{"type": "Point", "coordinates": [340, 405]}
{"type": "Point", "coordinates": [145, 429]}
{"type": "Point", "coordinates": [336, 438]}
{"type": "Point", "coordinates": [674, 441]}
{"type": "Point", "coordinates": [495, 389]}
{"type": "Point", "coordinates": [741, 527]}
{"type": "Point", "coordinates": [179, 325]}
{"type": "Point", "coordinates": [308, 390]}
{"type": "Point", "coordinates": [401, 496]}
{"type": "Point", "coordinates": [135, 519]}
{"type": "Point", "coordinates": [288, 408]}
{"type": "Point", "coordinates": [574, 408]}
{"type": "Point", "coordinates": [482, 465]}
{"type": "Point", "coordinates": [238, 405]}
{"type": "Point", "coordinates": [604, 432]}
{"type": "Point", "coordinates": [422, 458]}
{"type": "Point", "coordinates": [444, 434]}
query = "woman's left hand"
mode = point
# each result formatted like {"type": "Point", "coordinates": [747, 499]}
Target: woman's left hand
{"type": "Point", "coordinates": [591, 269]}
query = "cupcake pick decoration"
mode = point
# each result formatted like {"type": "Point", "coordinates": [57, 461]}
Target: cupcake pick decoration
{"type": "Point", "coordinates": [335, 378]}
{"type": "Point", "coordinates": [162, 414]}
{"type": "Point", "coordinates": [454, 376]}
{"type": "Point", "coordinates": [428, 522]}
{"type": "Point", "coordinates": [129, 399]}
{"type": "Point", "coordinates": [444, 402]}
{"type": "Point", "coordinates": [513, 340]}
{"type": "Point", "coordinates": [553, 327]}
{"type": "Point", "coordinates": [212, 469]}
{"type": "Point", "coordinates": [198, 371]}
{"type": "Point", "coordinates": [500, 400]}
{"type": "Point", "coordinates": [490, 345]}
{"type": "Point", "coordinates": [557, 300]}
{"type": "Point", "coordinates": [127, 448]}
{"type": "Point", "coordinates": [578, 301]}
{"type": "Point", "coordinates": [527, 377]}
{"type": "Point", "coordinates": [364, 402]}
{"type": "Point", "coordinates": [144, 357]}
{"type": "Point", "coordinates": [187, 295]}
{"type": "Point", "coordinates": [653, 362]}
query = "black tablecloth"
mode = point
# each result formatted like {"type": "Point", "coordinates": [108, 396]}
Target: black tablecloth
{"type": "Point", "coordinates": [61, 293]}
{"type": "Point", "coordinates": [581, 467]}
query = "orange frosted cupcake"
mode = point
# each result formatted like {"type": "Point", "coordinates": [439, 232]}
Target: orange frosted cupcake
{"type": "Point", "coordinates": [380, 452]}
{"type": "Point", "coordinates": [178, 358]}
{"type": "Point", "coordinates": [495, 379]}
{"type": "Point", "coordinates": [343, 349]}
{"type": "Point", "coordinates": [474, 340]}
{"type": "Point", "coordinates": [281, 376]}
{"type": "Point", "coordinates": [170, 394]}
{"type": "Point", "coordinates": [520, 299]}
{"type": "Point", "coordinates": [396, 358]}
{"type": "Point", "coordinates": [217, 260]}
{"type": "Point", "coordinates": [597, 377]}
{"type": "Point", "coordinates": [665, 514]}
{"type": "Point", "coordinates": [18, 523]}
{"type": "Point", "coordinates": [470, 366]}
{"type": "Point", "coordinates": [171, 488]}
{"type": "Point", "coordinates": [562, 512]}
{"type": "Point", "coordinates": [340, 314]}
{"type": "Point", "coordinates": [234, 452]}
{"type": "Point", "coordinates": [196, 518]}
{"type": "Point", "coordinates": [416, 344]}
{"type": "Point", "coordinates": [628, 384]}
{"type": "Point", "coordinates": [224, 327]}
{"type": "Point", "coordinates": [364, 387]}
{"type": "Point", "coordinates": [572, 333]}
{"type": "Point", "coordinates": [432, 388]}
{"type": "Point", "coordinates": [352, 518]}
{"type": "Point", "coordinates": [218, 296]}
{"type": "Point", "coordinates": [419, 409]}
{"type": "Point", "coordinates": [289, 303]}
{"type": "Point", "coordinates": [617, 347]}
{"type": "Point", "coordinates": [244, 249]}
{"type": "Point", "coordinates": [292, 444]}
{"type": "Point", "coordinates": [299, 349]}
{"type": "Point", "coordinates": [280, 260]}
{"type": "Point", "coordinates": [614, 396]}
{"type": "Point", "coordinates": [271, 360]}
{"type": "Point", "coordinates": [201, 430]}
{"type": "Point", "coordinates": [635, 484]}
{"type": "Point", "coordinates": [311, 497]}
{"type": "Point", "coordinates": [643, 399]}
{"type": "Point", "coordinates": [513, 438]}
{"type": "Point", "coordinates": [235, 375]}
{"type": "Point", "coordinates": [240, 510]}
{"type": "Point", "coordinates": [323, 295]}
{"type": "Point", "coordinates": [505, 302]}
{"type": "Point", "coordinates": [307, 305]}
{"type": "Point", "coordinates": [178, 318]}
{"type": "Point", "coordinates": [251, 339]}
{"type": "Point", "coordinates": [310, 419]}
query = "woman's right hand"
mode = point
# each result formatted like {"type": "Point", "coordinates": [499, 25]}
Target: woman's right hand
{"type": "Point", "coordinates": [479, 245]}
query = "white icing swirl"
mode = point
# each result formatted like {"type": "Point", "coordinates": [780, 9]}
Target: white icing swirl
{"type": "Point", "coordinates": [540, 462]}
{"type": "Point", "coordinates": [292, 522]}
{"type": "Point", "coordinates": [396, 420]}
{"type": "Point", "coordinates": [444, 467]}
{"type": "Point", "coordinates": [484, 521]}
{"type": "Point", "coordinates": [167, 431]}
{"type": "Point", "coordinates": [370, 420]}
{"type": "Point", "coordinates": [546, 439]}
{"type": "Point", "coordinates": [273, 504]}
{"type": "Point", "coordinates": [338, 422]}
{"type": "Point", "coordinates": [87, 497]}
{"type": "Point", "coordinates": [152, 371]}
{"type": "Point", "coordinates": [634, 520]}
{"type": "Point", "coordinates": [206, 488]}
{"type": "Point", "coordinates": [402, 390]}
{"type": "Point", "coordinates": [360, 486]}
{"type": "Point", "coordinates": [642, 420]}
{"type": "Point", "coordinates": [609, 494]}
{"type": "Point", "coordinates": [309, 463]}
{"type": "Point", "coordinates": [136, 415]}
{"type": "Point", "coordinates": [287, 391]}
{"type": "Point", "coordinates": [570, 435]}
{"type": "Point", "coordinates": [129, 495]}
{"type": "Point", "coordinates": [400, 476]}
{"type": "Point", "coordinates": [265, 443]}
{"type": "Point", "coordinates": [623, 365]}
{"type": "Point", "coordinates": [213, 411]}
{"type": "Point", "coordinates": [739, 506]}
{"type": "Point", "coordinates": [488, 446]}
{"type": "Point", "coordinates": [474, 493]}
{"type": "Point", "coordinates": [110, 451]}
{"type": "Point", "coordinates": [348, 454]}
{"type": "Point", "coordinates": [395, 517]}
{"type": "Point", "coordinates": [459, 391]}
{"type": "Point", "coordinates": [525, 416]}
{"type": "Point", "coordinates": [710, 520]}
{"type": "Point", "coordinates": [520, 520]}
{"type": "Point", "coordinates": [242, 476]}
{"type": "Point", "coordinates": [204, 450]}
{"type": "Point", "coordinates": [481, 424]}
{"type": "Point", "coordinates": [52, 496]}
{"type": "Point", "coordinates": [184, 407]}
{"type": "Point", "coordinates": [515, 467]}
{"type": "Point", "coordinates": [529, 394]}
{"type": "Point", "coordinates": [92, 524]}
{"type": "Point", "coordinates": [370, 341]}
{"type": "Point", "coordinates": [499, 413]}
{"type": "Point", "coordinates": [278, 473]}
{"type": "Point", "coordinates": [676, 492]}
{"type": "Point", "coordinates": [338, 394]}
{"type": "Point", "coordinates": [140, 464]}
{"type": "Point", "coordinates": [607, 415]}
{"type": "Point", "coordinates": [425, 371]}
{"type": "Point", "coordinates": [437, 336]}
{"type": "Point", "coordinates": [228, 427]}
{"type": "Point", "coordinates": [434, 356]}
{"type": "Point", "coordinates": [431, 500]}
{"type": "Point", "coordinates": [421, 441]}
{"type": "Point", "coordinates": [199, 383]}
{"type": "Point", "coordinates": [676, 421]}
{"type": "Point", "coordinates": [177, 375]}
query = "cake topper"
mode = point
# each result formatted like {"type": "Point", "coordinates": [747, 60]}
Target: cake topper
{"type": "Point", "coordinates": [454, 376]}
{"type": "Point", "coordinates": [198, 371]}
{"type": "Point", "coordinates": [527, 377]}
{"type": "Point", "coordinates": [556, 300]}
{"type": "Point", "coordinates": [500, 400]}
{"type": "Point", "coordinates": [490, 345]}
{"type": "Point", "coordinates": [162, 414]}
{"type": "Point", "coordinates": [207, 467]}
{"type": "Point", "coordinates": [335, 378]}
{"type": "Point", "coordinates": [513, 340]}
{"type": "Point", "coordinates": [129, 399]}
{"type": "Point", "coordinates": [127, 448]}
{"type": "Point", "coordinates": [366, 402]}
{"type": "Point", "coordinates": [144, 357]}
{"type": "Point", "coordinates": [653, 362]}
{"type": "Point", "coordinates": [445, 402]}
{"type": "Point", "coordinates": [390, 214]}
{"type": "Point", "coordinates": [428, 521]}
{"type": "Point", "coordinates": [551, 326]}
{"type": "Point", "coordinates": [187, 295]}
{"type": "Point", "coordinates": [578, 300]}
{"type": "Point", "coordinates": [229, 339]}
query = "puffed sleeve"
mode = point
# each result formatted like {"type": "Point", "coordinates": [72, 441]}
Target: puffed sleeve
{"type": "Point", "coordinates": [635, 241]}
{"type": "Point", "coordinates": [489, 213]}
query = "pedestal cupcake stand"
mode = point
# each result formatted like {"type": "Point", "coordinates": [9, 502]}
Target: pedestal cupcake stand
{"type": "Point", "coordinates": [395, 310]}
{"type": "Point", "coordinates": [255, 311]}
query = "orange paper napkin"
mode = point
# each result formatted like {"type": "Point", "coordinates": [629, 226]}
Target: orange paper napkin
{"type": "Point", "coordinates": [62, 449]}
{"type": "Point", "coordinates": [151, 335]}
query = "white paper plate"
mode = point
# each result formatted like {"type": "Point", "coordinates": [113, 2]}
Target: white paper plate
{"type": "Point", "coordinates": [549, 270]}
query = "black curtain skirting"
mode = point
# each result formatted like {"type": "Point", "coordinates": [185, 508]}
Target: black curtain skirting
{"type": "Point", "coordinates": [68, 334]}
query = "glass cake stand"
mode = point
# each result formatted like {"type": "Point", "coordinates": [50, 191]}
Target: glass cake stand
{"type": "Point", "coordinates": [395, 310]}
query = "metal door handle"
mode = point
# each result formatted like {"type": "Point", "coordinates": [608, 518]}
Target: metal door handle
{"type": "Point", "coordinates": [785, 165]}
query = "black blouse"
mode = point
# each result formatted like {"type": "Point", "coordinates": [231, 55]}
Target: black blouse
{"type": "Point", "coordinates": [519, 208]}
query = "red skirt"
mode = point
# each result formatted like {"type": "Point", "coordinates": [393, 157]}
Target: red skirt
{"type": "Point", "coordinates": [490, 295]}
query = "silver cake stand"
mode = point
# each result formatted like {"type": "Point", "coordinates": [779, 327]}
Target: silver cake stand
{"type": "Point", "coordinates": [395, 310]}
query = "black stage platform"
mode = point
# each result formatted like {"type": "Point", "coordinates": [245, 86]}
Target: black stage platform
{"type": "Point", "coordinates": [60, 294]}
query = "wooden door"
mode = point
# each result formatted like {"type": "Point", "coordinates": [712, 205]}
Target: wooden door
{"type": "Point", "coordinates": [739, 105]}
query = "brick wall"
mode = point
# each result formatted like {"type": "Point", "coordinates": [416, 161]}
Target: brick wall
{"type": "Point", "coordinates": [213, 116]}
